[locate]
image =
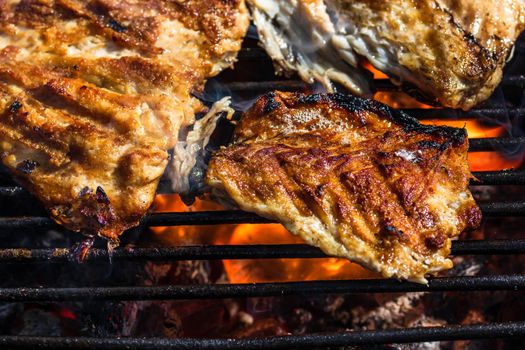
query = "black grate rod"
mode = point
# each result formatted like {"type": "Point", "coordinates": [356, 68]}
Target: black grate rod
{"type": "Point", "coordinates": [200, 218]}
{"type": "Point", "coordinates": [225, 252]}
{"type": "Point", "coordinates": [220, 291]}
{"type": "Point", "coordinates": [493, 114]}
{"type": "Point", "coordinates": [319, 340]}
{"type": "Point", "coordinates": [484, 178]}
{"type": "Point", "coordinates": [265, 86]}
{"type": "Point", "coordinates": [498, 144]}
{"type": "Point", "coordinates": [386, 85]}
{"type": "Point", "coordinates": [499, 177]}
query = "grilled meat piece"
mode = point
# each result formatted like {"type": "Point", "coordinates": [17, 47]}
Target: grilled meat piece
{"type": "Point", "coordinates": [453, 51]}
{"type": "Point", "coordinates": [94, 93]}
{"type": "Point", "coordinates": [297, 36]}
{"type": "Point", "coordinates": [352, 177]}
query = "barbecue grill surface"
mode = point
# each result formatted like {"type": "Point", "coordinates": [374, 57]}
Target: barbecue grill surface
{"type": "Point", "coordinates": [31, 220]}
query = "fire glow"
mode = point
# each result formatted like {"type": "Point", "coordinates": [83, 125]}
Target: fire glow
{"type": "Point", "coordinates": [282, 270]}
{"type": "Point", "coordinates": [251, 271]}
{"type": "Point", "coordinates": [478, 161]}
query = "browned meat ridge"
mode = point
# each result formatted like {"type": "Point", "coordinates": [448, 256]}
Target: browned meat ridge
{"type": "Point", "coordinates": [94, 93]}
{"type": "Point", "coordinates": [352, 177]}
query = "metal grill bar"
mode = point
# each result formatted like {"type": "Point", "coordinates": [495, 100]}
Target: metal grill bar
{"type": "Point", "coordinates": [495, 144]}
{"type": "Point", "coordinates": [265, 86]}
{"type": "Point", "coordinates": [220, 291]}
{"type": "Point", "coordinates": [229, 217]}
{"type": "Point", "coordinates": [513, 81]}
{"type": "Point", "coordinates": [321, 340]}
{"type": "Point", "coordinates": [225, 252]}
{"type": "Point", "coordinates": [298, 85]}
{"type": "Point", "coordinates": [455, 114]}
{"type": "Point", "coordinates": [419, 113]}
{"type": "Point", "coordinates": [502, 177]}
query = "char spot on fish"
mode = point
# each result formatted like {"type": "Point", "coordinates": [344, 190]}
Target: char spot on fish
{"type": "Point", "coordinates": [116, 26]}
{"type": "Point", "coordinates": [429, 144]}
{"type": "Point", "coordinates": [319, 190]}
{"type": "Point", "coordinates": [101, 196]}
{"type": "Point", "coordinates": [310, 99]}
{"type": "Point", "coordinates": [15, 106]}
{"type": "Point", "coordinates": [27, 166]}
{"type": "Point", "coordinates": [84, 191]}
{"type": "Point", "coordinates": [270, 104]}
{"type": "Point", "coordinates": [393, 231]}
{"type": "Point", "coordinates": [435, 242]}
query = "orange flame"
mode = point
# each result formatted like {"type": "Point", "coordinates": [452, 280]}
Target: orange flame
{"type": "Point", "coordinates": [377, 73]}
{"type": "Point", "coordinates": [246, 271]}
{"type": "Point", "coordinates": [188, 235]}
{"type": "Point", "coordinates": [397, 99]}
{"type": "Point", "coordinates": [277, 270]}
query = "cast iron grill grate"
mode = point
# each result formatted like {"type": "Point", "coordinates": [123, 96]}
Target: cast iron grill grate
{"type": "Point", "coordinates": [514, 114]}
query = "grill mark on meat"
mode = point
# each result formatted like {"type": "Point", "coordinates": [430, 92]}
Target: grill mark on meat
{"type": "Point", "coordinates": [27, 166]}
{"type": "Point", "coordinates": [481, 63]}
{"type": "Point", "coordinates": [15, 106]}
{"type": "Point", "coordinates": [349, 213]}
{"type": "Point", "coordinates": [399, 210]}
{"type": "Point", "coordinates": [477, 47]}
{"type": "Point", "coordinates": [379, 201]}
{"type": "Point", "coordinates": [304, 193]}
{"type": "Point", "coordinates": [410, 194]}
{"type": "Point", "coordinates": [102, 106]}
{"type": "Point", "coordinates": [270, 104]}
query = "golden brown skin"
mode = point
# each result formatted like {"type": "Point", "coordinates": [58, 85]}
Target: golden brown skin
{"type": "Point", "coordinates": [453, 51]}
{"type": "Point", "coordinates": [352, 177]}
{"type": "Point", "coordinates": [94, 93]}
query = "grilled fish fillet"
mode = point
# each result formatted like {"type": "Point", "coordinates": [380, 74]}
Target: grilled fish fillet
{"type": "Point", "coordinates": [94, 93]}
{"type": "Point", "coordinates": [453, 51]}
{"type": "Point", "coordinates": [352, 177]}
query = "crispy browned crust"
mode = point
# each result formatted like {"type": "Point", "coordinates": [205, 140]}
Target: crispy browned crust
{"type": "Point", "coordinates": [453, 51]}
{"type": "Point", "coordinates": [353, 177]}
{"type": "Point", "coordinates": [94, 93]}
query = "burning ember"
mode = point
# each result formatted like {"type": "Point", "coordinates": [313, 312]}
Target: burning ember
{"type": "Point", "coordinates": [188, 235]}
